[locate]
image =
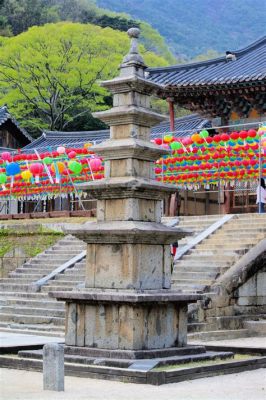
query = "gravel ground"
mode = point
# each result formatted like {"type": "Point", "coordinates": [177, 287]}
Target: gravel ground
{"type": "Point", "coordinates": [26, 385]}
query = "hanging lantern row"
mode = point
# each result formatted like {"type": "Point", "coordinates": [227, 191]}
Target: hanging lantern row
{"type": "Point", "coordinates": [198, 159]}
{"type": "Point", "coordinates": [54, 172]}
{"type": "Point", "coordinates": [204, 160]}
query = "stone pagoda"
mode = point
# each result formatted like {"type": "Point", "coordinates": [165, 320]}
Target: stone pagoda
{"type": "Point", "coordinates": [127, 309]}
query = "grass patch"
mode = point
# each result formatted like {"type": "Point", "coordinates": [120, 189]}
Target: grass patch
{"type": "Point", "coordinates": [68, 220]}
{"type": "Point", "coordinates": [4, 248]}
{"type": "Point", "coordinates": [31, 243]}
{"type": "Point", "coordinates": [193, 364]}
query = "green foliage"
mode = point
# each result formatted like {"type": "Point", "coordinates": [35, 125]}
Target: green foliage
{"type": "Point", "coordinates": [19, 15]}
{"type": "Point", "coordinates": [193, 27]}
{"type": "Point", "coordinates": [206, 56]}
{"type": "Point", "coordinates": [32, 243]}
{"type": "Point", "coordinates": [49, 75]}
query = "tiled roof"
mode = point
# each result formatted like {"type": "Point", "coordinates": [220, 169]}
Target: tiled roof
{"type": "Point", "coordinates": [52, 139]}
{"type": "Point", "coordinates": [249, 66]}
{"type": "Point", "coordinates": [74, 139]}
{"type": "Point", "coordinates": [6, 118]}
{"type": "Point", "coordinates": [184, 126]}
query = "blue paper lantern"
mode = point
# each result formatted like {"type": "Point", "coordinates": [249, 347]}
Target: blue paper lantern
{"type": "Point", "coordinates": [12, 169]}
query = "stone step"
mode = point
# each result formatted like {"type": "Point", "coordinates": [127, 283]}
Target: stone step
{"type": "Point", "coordinates": [195, 356]}
{"type": "Point", "coordinates": [21, 328]}
{"type": "Point", "coordinates": [33, 311]}
{"type": "Point", "coordinates": [226, 239]}
{"type": "Point", "coordinates": [258, 327]}
{"type": "Point", "coordinates": [218, 335]}
{"type": "Point", "coordinates": [16, 281]}
{"type": "Point", "coordinates": [55, 288]}
{"type": "Point", "coordinates": [189, 281]}
{"type": "Point", "coordinates": [225, 235]}
{"type": "Point", "coordinates": [232, 322]}
{"type": "Point", "coordinates": [70, 245]}
{"type": "Point", "coordinates": [24, 294]}
{"type": "Point", "coordinates": [200, 327]}
{"type": "Point", "coordinates": [73, 275]}
{"type": "Point", "coordinates": [75, 272]}
{"type": "Point", "coordinates": [195, 262]}
{"type": "Point", "coordinates": [191, 287]}
{"type": "Point", "coordinates": [44, 327]}
{"type": "Point", "coordinates": [66, 254]}
{"type": "Point", "coordinates": [195, 275]}
{"type": "Point", "coordinates": [33, 276]}
{"type": "Point", "coordinates": [66, 280]}
{"type": "Point", "coordinates": [14, 287]}
{"type": "Point", "coordinates": [247, 222]}
{"type": "Point", "coordinates": [228, 245]}
{"type": "Point", "coordinates": [199, 268]}
{"type": "Point", "coordinates": [72, 278]}
{"type": "Point", "coordinates": [31, 319]}
{"type": "Point", "coordinates": [50, 261]}
{"type": "Point", "coordinates": [59, 282]}
{"type": "Point", "coordinates": [210, 257]}
{"type": "Point", "coordinates": [33, 270]}
{"type": "Point", "coordinates": [43, 265]}
{"type": "Point", "coordinates": [35, 303]}
{"type": "Point", "coordinates": [251, 230]}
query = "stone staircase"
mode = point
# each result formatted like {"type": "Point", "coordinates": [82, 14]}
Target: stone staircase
{"type": "Point", "coordinates": [198, 269]}
{"type": "Point", "coordinates": [23, 308]}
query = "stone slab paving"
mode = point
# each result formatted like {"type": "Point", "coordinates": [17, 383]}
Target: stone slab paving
{"type": "Point", "coordinates": [26, 385]}
{"type": "Point", "coordinates": [9, 340]}
{"type": "Point", "coordinates": [254, 342]}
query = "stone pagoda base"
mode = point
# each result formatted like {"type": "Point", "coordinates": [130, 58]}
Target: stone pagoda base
{"type": "Point", "coordinates": [126, 324]}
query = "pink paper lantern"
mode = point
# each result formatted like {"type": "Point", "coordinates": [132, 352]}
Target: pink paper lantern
{"type": "Point", "coordinates": [6, 156]}
{"type": "Point", "coordinates": [95, 164]}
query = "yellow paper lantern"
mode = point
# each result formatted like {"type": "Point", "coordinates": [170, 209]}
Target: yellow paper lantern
{"type": "Point", "coordinates": [26, 175]}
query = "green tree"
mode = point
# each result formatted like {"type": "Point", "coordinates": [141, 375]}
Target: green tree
{"type": "Point", "coordinates": [21, 14]}
{"type": "Point", "coordinates": [49, 75]}
{"type": "Point", "coordinates": [17, 16]}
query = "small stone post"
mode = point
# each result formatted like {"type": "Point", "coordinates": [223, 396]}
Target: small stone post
{"type": "Point", "coordinates": [53, 367]}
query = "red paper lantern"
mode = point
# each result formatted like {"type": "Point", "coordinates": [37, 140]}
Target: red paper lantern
{"type": "Point", "coordinates": [158, 141]}
{"type": "Point", "coordinates": [243, 134]}
{"type": "Point", "coordinates": [225, 137]}
{"type": "Point", "coordinates": [234, 135]}
{"type": "Point", "coordinates": [252, 133]}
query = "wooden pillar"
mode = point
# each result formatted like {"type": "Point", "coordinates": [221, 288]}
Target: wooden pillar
{"type": "Point", "coordinates": [171, 114]}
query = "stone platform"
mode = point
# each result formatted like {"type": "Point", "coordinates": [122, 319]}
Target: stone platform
{"type": "Point", "coordinates": [124, 324]}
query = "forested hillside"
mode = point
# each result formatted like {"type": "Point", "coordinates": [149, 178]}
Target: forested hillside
{"type": "Point", "coordinates": [193, 27]}
{"type": "Point", "coordinates": [16, 16]}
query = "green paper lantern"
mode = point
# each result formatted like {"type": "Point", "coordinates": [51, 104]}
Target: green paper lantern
{"type": "Point", "coordinates": [47, 160]}
{"type": "Point", "coordinates": [3, 179]}
{"type": "Point", "coordinates": [75, 167]}
{"type": "Point", "coordinates": [176, 145]}
{"type": "Point", "coordinates": [204, 134]}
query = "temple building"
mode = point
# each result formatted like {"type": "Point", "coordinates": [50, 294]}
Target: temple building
{"type": "Point", "coordinates": [231, 88]}
{"type": "Point", "coordinates": [229, 91]}
{"type": "Point", "coordinates": [12, 136]}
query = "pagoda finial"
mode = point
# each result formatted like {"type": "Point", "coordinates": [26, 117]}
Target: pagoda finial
{"type": "Point", "coordinates": [133, 58]}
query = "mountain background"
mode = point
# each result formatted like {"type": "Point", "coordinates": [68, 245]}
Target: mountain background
{"type": "Point", "coordinates": [192, 27]}
{"type": "Point", "coordinates": [43, 91]}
